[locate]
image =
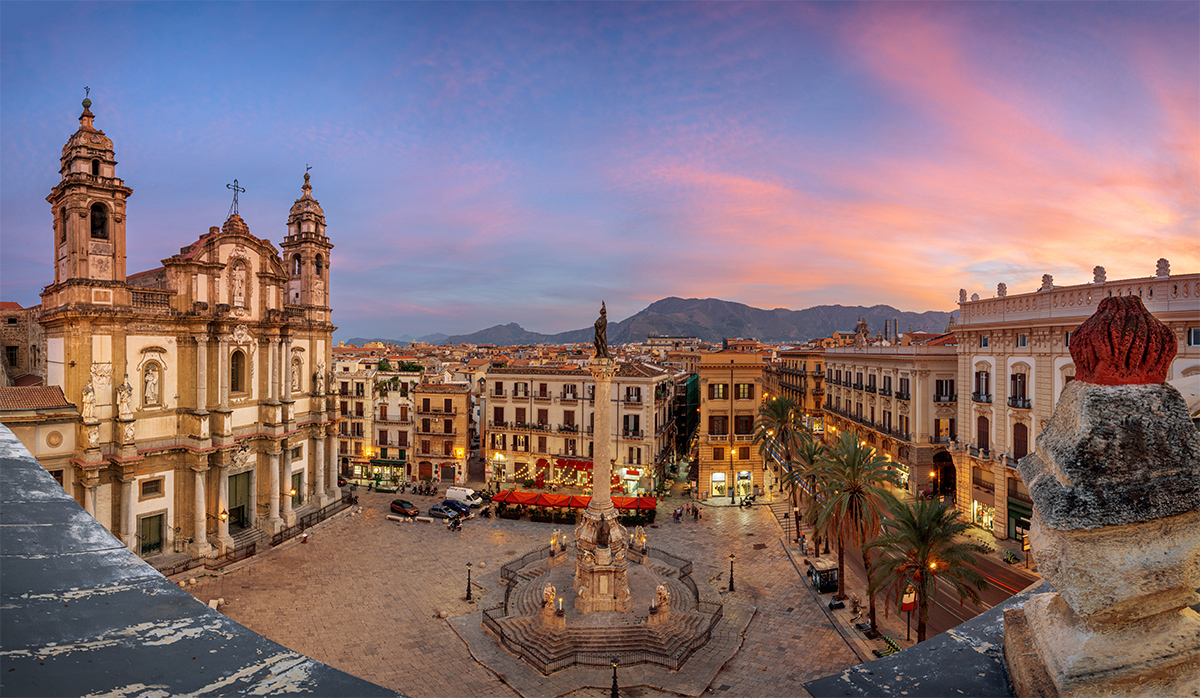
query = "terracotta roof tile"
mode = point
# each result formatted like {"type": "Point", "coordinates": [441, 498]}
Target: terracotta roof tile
{"type": "Point", "coordinates": [9, 305]}
{"type": "Point", "coordinates": [32, 398]}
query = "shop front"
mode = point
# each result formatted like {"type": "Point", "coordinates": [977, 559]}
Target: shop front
{"type": "Point", "coordinates": [386, 471]}
{"type": "Point", "coordinates": [718, 484]}
{"type": "Point", "coordinates": [745, 484]}
{"type": "Point", "coordinates": [1019, 515]}
{"type": "Point", "coordinates": [983, 510]}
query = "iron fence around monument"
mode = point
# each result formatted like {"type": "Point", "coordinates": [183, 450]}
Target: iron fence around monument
{"type": "Point", "coordinates": [684, 566]}
{"type": "Point", "coordinates": [312, 519]}
{"type": "Point", "coordinates": [508, 573]}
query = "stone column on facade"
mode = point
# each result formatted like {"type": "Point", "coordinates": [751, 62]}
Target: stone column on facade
{"type": "Point", "coordinates": [200, 546]}
{"type": "Point", "coordinates": [128, 520]}
{"type": "Point", "coordinates": [334, 491]}
{"type": "Point", "coordinates": [285, 485]}
{"type": "Point", "coordinates": [89, 498]}
{"type": "Point", "coordinates": [224, 540]}
{"type": "Point", "coordinates": [274, 523]}
{"type": "Point", "coordinates": [223, 368]}
{"type": "Point", "coordinates": [319, 465]}
{"type": "Point", "coordinates": [285, 371]}
{"type": "Point", "coordinates": [201, 375]}
{"type": "Point", "coordinates": [272, 370]}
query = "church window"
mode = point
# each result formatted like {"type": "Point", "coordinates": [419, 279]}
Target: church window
{"type": "Point", "coordinates": [237, 372]}
{"type": "Point", "coordinates": [99, 221]}
{"type": "Point", "coordinates": [95, 168]}
{"type": "Point", "coordinates": [295, 265]}
{"type": "Point", "coordinates": [320, 265]}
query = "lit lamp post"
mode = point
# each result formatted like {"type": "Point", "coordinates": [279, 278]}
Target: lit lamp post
{"type": "Point", "coordinates": [469, 581]}
{"type": "Point", "coordinates": [731, 558]}
{"type": "Point", "coordinates": [613, 694]}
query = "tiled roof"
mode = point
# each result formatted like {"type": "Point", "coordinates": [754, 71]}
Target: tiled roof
{"type": "Point", "coordinates": [32, 398]}
{"type": "Point", "coordinates": [9, 305]}
{"type": "Point", "coordinates": [440, 388]}
{"type": "Point", "coordinates": [942, 340]}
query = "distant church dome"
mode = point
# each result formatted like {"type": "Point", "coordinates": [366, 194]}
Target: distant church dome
{"type": "Point", "coordinates": [306, 203]}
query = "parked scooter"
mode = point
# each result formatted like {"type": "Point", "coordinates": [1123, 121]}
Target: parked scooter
{"type": "Point", "coordinates": [455, 524]}
{"type": "Point", "coordinates": [486, 512]}
{"type": "Point", "coordinates": [747, 502]}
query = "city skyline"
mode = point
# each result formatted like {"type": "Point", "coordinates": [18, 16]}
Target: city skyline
{"type": "Point", "coordinates": [482, 164]}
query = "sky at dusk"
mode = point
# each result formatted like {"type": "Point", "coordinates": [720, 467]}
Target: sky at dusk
{"type": "Point", "coordinates": [488, 163]}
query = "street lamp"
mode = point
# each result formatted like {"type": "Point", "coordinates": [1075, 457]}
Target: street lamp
{"type": "Point", "coordinates": [614, 662]}
{"type": "Point", "coordinates": [468, 581]}
{"type": "Point", "coordinates": [731, 558]}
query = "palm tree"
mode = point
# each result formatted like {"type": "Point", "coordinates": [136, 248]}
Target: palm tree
{"type": "Point", "coordinates": [855, 498]}
{"type": "Point", "coordinates": [776, 431]}
{"type": "Point", "coordinates": [801, 473]}
{"type": "Point", "coordinates": [920, 545]}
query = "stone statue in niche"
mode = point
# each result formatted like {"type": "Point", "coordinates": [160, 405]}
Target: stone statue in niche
{"type": "Point", "coordinates": [962, 295]}
{"type": "Point", "coordinates": [296, 366]}
{"type": "Point", "coordinates": [601, 337]}
{"type": "Point", "coordinates": [239, 285]}
{"type": "Point", "coordinates": [89, 402]}
{"type": "Point", "coordinates": [150, 393]}
{"type": "Point", "coordinates": [124, 395]}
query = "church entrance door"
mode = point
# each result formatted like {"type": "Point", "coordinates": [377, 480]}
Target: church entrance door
{"type": "Point", "coordinates": [239, 501]}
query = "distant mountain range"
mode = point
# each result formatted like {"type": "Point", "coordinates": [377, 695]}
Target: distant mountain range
{"type": "Point", "coordinates": [402, 340]}
{"type": "Point", "coordinates": [712, 320]}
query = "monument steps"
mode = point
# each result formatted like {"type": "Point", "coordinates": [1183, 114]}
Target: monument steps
{"type": "Point", "coordinates": [668, 639]}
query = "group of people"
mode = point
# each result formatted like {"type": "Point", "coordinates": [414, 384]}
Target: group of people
{"type": "Point", "coordinates": [692, 510]}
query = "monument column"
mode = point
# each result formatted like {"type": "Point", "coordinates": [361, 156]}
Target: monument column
{"type": "Point", "coordinates": [602, 371]}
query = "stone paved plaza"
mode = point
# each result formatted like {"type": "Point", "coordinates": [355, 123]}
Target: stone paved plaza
{"type": "Point", "coordinates": [364, 595]}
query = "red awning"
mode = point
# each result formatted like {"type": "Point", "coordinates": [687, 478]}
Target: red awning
{"type": "Point", "coordinates": [553, 500]}
{"type": "Point", "coordinates": [647, 502]}
{"type": "Point", "coordinates": [501, 496]}
{"type": "Point", "coordinates": [579, 501]}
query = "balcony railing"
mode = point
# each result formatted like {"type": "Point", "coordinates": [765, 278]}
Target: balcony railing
{"type": "Point", "coordinates": [743, 437]}
{"type": "Point", "coordinates": [984, 485]}
{"type": "Point", "coordinates": [498, 393]}
{"type": "Point", "coordinates": [1022, 403]}
{"type": "Point", "coordinates": [632, 399]}
{"type": "Point", "coordinates": [568, 428]}
{"type": "Point", "coordinates": [983, 453]}
{"type": "Point", "coordinates": [437, 410]}
{"type": "Point", "coordinates": [903, 395]}
{"type": "Point", "coordinates": [718, 438]}
{"type": "Point", "coordinates": [543, 397]}
{"type": "Point", "coordinates": [886, 392]}
{"type": "Point", "coordinates": [633, 434]}
{"type": "Point", "coordinates": [943, 439]}
{"type": "Point", "coordinates": [858, 386]}
{"type": "Point", "coordinates": [985, 398]}
{"type": "Point", "coordinates": [568, 397]}
{"type": "Point", "coordinates": [946, 397]}
{"type": "Point", "coordinates": [816, 374]}
{"type": "Point", "coordinates": [870, 388]}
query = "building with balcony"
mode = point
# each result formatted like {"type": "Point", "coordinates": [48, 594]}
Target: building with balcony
{"type": "Point", "coordinates": [731, 392]}
{"type": "Point", "coordinates": [901, 400]}
{"type": "Point", "coordinates": [800, 375]}
{"type": "Point", "coordinates": [441, 428]}
{"type": "Point", "coordinates": [1014, 359]}
{"type": "Point", "coordinates": [538, 424]}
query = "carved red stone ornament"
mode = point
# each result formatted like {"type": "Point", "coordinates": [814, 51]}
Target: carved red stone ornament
{"type": "Point", "coordinates": [1122, 344]}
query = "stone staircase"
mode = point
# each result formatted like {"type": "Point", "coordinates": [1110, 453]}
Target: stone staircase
{"type": "Point", "coordinates": [549, 647]}
{"type": "Point", "coordinates": [246, 536]}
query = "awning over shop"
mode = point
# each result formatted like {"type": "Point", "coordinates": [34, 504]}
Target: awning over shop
{"type": "Point", "coordinates": [543, 499]}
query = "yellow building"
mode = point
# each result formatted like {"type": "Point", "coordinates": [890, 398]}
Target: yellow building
{"type": "Point", "coordinates": [800, 375]}
{"type": "Point", "coordinates": [442, 425]}
{"type": "Point", "coordinates": [731, 391]}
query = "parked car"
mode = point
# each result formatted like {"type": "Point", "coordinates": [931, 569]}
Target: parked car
{"type": "Point", "coordinates": [443, 512]}
{"type": "Point", "coordinates": [462, 508]}
{"type": "Point", "coordinates": [341, 481]}
{"type": "Point", "coordinates": [403, 506]}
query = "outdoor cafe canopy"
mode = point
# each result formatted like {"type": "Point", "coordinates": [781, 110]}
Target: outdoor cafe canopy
{"type": "Point", "coordinates": [574, 501]}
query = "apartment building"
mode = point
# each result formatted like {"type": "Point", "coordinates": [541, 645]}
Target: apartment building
{"type": "Point", "coordinates": [442, 421]}
{"type": "Point", "coordinates": [731, 391]}
{"type": "Point", "coordinates": [902, 401]}
{"type": "Point", "coordinates": [1013, 361]}
{"type": "Point", "coordinates": [354, 386]}
{"type": "Point", "coordinates": [800, 375]}
{"type": "Point", "coordinates": [539, 424]}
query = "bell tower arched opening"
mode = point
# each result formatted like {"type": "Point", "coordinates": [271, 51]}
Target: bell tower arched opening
{"type": "Point", "coordinates": [99, 221]}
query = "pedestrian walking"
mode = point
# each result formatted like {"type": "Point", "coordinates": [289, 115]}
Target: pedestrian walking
{"type": "Point", "coordinates": [695, 514]}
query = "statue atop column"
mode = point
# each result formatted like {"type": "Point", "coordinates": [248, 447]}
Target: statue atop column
{"type": "Point", "coordinates": [601, 338]}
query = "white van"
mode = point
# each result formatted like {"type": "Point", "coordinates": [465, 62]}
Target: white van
{"type": "Point", "coordinates": [466, 495]}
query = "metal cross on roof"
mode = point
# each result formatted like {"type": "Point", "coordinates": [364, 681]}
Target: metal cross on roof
{"type": "Point", "coordinates": [236, 189]}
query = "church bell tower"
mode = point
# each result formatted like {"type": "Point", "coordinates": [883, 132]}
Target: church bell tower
{"type": "Point", "coordinates": [88, 205]}
{"type": "Point", "coordinates": [306, 254]}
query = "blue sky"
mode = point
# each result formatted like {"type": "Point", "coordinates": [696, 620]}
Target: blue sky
{"type": "Point", "coordinates": [485, 163]}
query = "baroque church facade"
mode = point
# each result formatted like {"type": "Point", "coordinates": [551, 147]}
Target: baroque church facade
{"type": "Point", "coordinates": [202, 385]}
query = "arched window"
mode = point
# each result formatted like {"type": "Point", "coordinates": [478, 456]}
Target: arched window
{"type": "Point", "coordinates": [99, 221]}
{"type": "Point", "coordinates": [320, 265]}
{"type": "Point", "coordinates": [296, 265]}
{"type": "Point", "coordinates": [237, 372]}
{"type": "Point", "coordinates": [1020, 441]}
{"type": "Point", "coordinates": [62, 224]}
{"type": "Point", "coordinates": [95, 168]}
